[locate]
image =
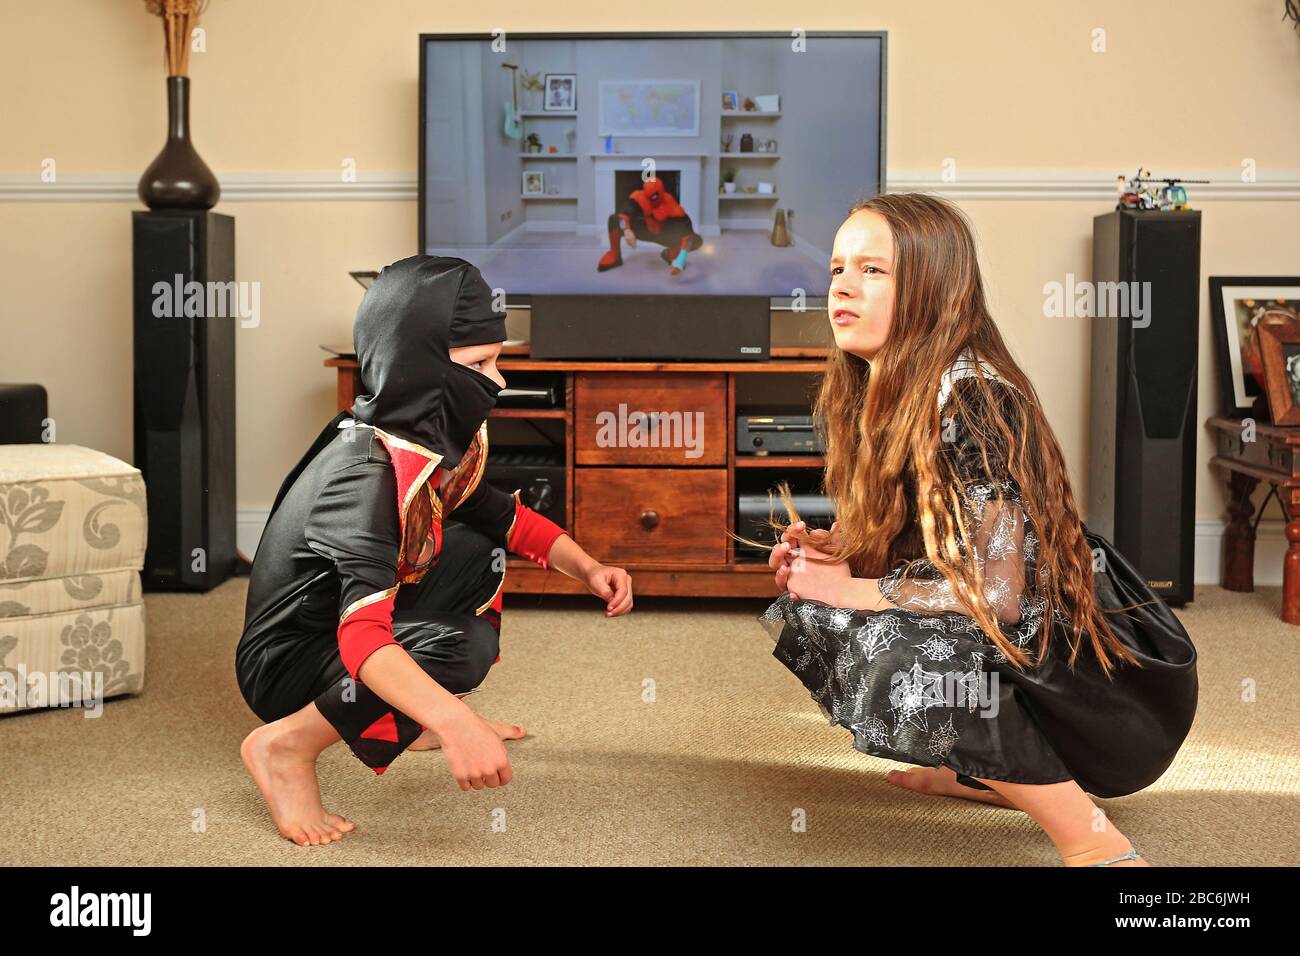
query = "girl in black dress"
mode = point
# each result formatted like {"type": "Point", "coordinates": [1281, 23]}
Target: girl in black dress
{"type": "Point", "coordinates": [959, 615]}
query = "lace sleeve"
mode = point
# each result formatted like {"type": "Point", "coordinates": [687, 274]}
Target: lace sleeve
{"type": "Point", "coordinates": [995, 521]}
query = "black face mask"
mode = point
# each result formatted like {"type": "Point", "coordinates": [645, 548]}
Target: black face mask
{"type": "Point", "coordinates": [467, 397]}
{"type": "Point", "coordinates": [415, 311]}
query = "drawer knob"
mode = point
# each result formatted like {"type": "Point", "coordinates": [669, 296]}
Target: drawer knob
{"type": "Point", "coordinates": [649, 519]}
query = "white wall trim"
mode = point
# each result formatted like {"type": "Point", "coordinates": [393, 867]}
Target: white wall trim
{"type": "Point", "coordinates": [249, 524]}
{"type": "Point", "coordinates": [1089, 185]}
{"type": "Point", "coordinates": [235, 187]}
{"type": "Point", "coordinates": [1270, 546]}
{"type": "Point", "coordinates": [995, 184]}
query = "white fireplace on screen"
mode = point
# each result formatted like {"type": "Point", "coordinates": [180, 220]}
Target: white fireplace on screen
{"type": "Point", "coordinates": [606, 203]}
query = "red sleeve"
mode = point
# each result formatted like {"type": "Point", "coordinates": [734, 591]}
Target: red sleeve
{"type": "Point", "coordinates": [532, 534]}
{"type": "Point", "coordinates": [365, 630]}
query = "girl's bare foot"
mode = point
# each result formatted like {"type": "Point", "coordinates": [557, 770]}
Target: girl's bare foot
{"type": "Point", "coordinates": [1110, 845]}
{"type": "Point", "coordinates": [429, 740]}
{"type": "Point", "coordinates": [942, 781]}
{"type": "Point", "coordinates": [285, 772]}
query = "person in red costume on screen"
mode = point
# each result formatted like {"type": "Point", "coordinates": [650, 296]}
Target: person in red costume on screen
{"type": "Point", "coordinates": [653, 214]}
{"type": "Point", "coordinates": [367, 620]}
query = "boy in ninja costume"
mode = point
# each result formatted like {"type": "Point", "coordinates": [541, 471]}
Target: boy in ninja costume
{"type": "Point", "coordinates": [367, 621]}
{"type": "Point", "coordinates": [653, 214]}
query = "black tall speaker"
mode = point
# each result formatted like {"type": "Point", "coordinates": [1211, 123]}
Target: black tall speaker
{"type": "Point", "coordinates": [1142, 493]}
{"type": "Point", "coordinates": [185, 395]}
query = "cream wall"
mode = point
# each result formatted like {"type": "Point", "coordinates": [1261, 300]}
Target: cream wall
{"type": "Point", "coordinates": [293, 87]}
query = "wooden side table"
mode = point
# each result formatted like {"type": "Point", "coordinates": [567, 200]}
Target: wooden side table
{"type": "Point", "coordinates": [1273, 456]}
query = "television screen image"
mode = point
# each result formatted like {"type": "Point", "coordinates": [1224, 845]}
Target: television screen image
{"type": "Point", "coordinates": [709, 164]}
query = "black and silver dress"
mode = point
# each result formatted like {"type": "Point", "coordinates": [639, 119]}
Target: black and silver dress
{"type": "Point", "coordinates": [921, 683]}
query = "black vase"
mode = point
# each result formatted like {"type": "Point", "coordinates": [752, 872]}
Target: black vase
{"type": "Point", "coordinates": [178, 178]}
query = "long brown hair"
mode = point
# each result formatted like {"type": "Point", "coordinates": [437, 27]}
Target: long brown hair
{"type": "Point", "coordinates": [881, 424]}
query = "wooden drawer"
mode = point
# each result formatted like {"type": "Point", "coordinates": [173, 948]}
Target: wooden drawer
{"type": "Point", "coordinates": [648, 418]}
{"type": "Point", "coordinates": [652, 515]}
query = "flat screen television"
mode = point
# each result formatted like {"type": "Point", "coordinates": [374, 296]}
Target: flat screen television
{"type": "Point", "coordinates": [539, 151]}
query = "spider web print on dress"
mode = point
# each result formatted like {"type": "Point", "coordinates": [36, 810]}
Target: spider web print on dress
{"type": "Point", "coordinates": [917, 696]}
{"type": "Point", "coordinates": [1009, 572]}
{"type": "Point", "coordinates": [879, 673]}
{"type": "Point", "coordinates": [942, 739]}
{"type": "Point", "coordinates": [886, 702]}
{"type": "Point", "coordinates": [937, 649]}
{"type": "Point", "coordinates": [969, 686]}
{"type": "Point", "coordinates": [914, 695]}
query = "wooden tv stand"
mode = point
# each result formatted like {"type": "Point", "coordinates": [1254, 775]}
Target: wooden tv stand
{"type": "Point", "coordinates": [654, 511]}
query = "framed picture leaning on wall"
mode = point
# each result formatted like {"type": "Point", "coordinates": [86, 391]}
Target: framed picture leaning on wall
{"type": "Point", "coordinates": [1237, 303]}
{"type": "Point", "coordinates": [1277, 336]}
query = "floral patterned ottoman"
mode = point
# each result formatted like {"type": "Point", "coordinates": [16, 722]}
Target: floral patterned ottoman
{"type": "Point", "coordinates": [72, 538]}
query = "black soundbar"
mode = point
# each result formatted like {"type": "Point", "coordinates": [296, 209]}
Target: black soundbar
{"type": "Point", "coordinates": [714, 328]}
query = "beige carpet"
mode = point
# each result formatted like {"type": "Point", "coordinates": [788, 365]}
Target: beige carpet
{"type": "Point", "coordinates": [709, 773]}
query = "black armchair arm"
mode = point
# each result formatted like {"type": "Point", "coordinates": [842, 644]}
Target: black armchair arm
{"type": "Point", "coordinates": [23, 413]}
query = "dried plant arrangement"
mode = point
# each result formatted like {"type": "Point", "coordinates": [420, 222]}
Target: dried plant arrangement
{"type": "Point", "coordinates": [179, 18]}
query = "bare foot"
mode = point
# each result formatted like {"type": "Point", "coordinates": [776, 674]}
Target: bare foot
{"type": "Point", "coordinates": [429, 740]}
{"type": "Point", "coordinates": [286, 775]}
{"type": "Point", "coordinates": [1115, 844]}
{"type": "Point", "coordinates": [942, 781]}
